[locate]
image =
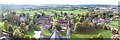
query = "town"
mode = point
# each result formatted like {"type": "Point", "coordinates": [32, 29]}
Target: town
{"type": "Point", "coordinates": [63, 22]}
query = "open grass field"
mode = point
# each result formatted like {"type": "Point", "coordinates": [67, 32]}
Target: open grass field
{"type": "Point", "coordinates": [1, 23]}
{"type": "Point", "coordinates": [31, 32]}
{"type": "Point", "coordinates": [48, 12]}
{"type": "Point", "coordinates": [106, 34]}
{"type": "Point", "coordinates": [115, 24]}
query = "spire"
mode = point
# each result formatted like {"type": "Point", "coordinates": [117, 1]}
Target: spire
{"type": "Point", "coordinates": [42, 30]}
{"type": "Point", "coordinates": [55, 35]}
{"type": "Point", "coordinates": [68, 32]}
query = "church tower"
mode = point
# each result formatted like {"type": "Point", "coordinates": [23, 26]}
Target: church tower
{"type": "Point", "coordinates": [55, 35]}
{"type": "Point", "coordinates": [42, 32]}
{"type": "Point", "coordinates": [68, 34]}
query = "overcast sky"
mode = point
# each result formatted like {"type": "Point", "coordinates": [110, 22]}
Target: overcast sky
{"type": "Point", "coordinates": [37, 2]}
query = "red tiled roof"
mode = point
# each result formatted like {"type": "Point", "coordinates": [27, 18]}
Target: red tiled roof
{"type": "Point", "coordinates": [46, 16]}
{"type": "Point", "coordinates": [63, 21]}
{"type": "Point", "coordinates": [64, 24]}
{"type": "Point", "coordinates": [47, 26]}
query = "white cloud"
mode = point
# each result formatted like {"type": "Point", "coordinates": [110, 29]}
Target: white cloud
{"type": "Point", "coordinates": [112, 2]}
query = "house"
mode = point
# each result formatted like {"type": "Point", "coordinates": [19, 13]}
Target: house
{"type": "Point", "coordinates": [47, 26]}
{"type": "Point", "coordinates": [22, 18]}
{"type": "Point", "coordinates": [54, 36]}
{"type": "Point", "coordinates": [95, 21]}
{"type": "Point", "coordinates": [13, 19]}
{"type": "Point", "coordinates": [50, 21]}
{"type": "Point", "coordinates": [37, 20]}
{"type": "Point", "coordinates": [63, 23]}
{"type": "Point", "coordinates": [111, 27]}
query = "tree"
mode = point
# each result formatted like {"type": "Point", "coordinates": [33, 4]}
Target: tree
{"type": "Point", "coordinates": [43, 14]}
{"type": "Point", "coordinates": [26, 37]}
{"type": "Point", "coordinates": [65, 14]}
{"type": "Point", "coordinates": [102, 26]}
{"type": "Point", "coordinates": [92, 24]}
{"type": "Point", "coordinates": [21, 35]}
{"type": "Point", "coordinates": [100, 37]}
{"type": "Point", "coordinates": [73, 21]}
{"type": "Point", "coordinates": [6, 25]}
{"type": "Point", "coordinates": [56, 15]}
{"type": "Point", "coordinates": [13, 12]}
{"type": "Point", "coordinates": [61, 13]}
{"type": "Point", "coordinates": [57, 26]}
{"type": "Point", "coordinates": [119, 30]}
{"type": "Point", "coordinates": [87, 14]}
{"type": "Point", "coordinates": [77, 27]}
{"type": "Point", "coordinates": [23, 25]}
{"type": "Point", "coordinates": [10, 29]}
{"type": "Point", "coordinates": [26, 28]}
{"type": "Point", "coordinates": [31, 24]}
{"type": "Point", "coordinates": [71, 14]}
{"type": "Point", "coordinates": [85, 24]}
{"type": "Point", "coordinates": [27, 15]}
{"type": "Point", "coordinates": [81, 19]}
{"type": "Point", "coordinates": [78, 15]}
{"type": "Point", "coordinates": [113, 31]}
{"type": "Point", "coordinates": [94, 37]}
{"type": "Point", "coordinates": [16, 32]}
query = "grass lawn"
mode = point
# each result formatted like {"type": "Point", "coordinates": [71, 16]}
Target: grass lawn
{"type": "Point", "coordinates": [115, 24]}
{"type": "Point", "coordinates": [31, 32]}
{"type": "Point", "coordinates": [1, 23]}
{"type": "Point", "coordinates": [47, 33]}
{"type": "Point", "coordinates": [106, 34]}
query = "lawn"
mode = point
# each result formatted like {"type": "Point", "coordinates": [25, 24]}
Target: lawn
{"type": "Point", "coordinates": [115, 24]}
{"type": "Point", "coordinates": [31, 32]}
{"type": "Point", "coordinates": [106, 34]}
{"type": "Point", "coordinates": [1, 23]}
{"type": "Point", "coordinates": [47, 33]}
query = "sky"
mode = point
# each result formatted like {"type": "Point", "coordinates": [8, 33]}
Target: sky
{"type": "Point", "coordinates": [72, 2]}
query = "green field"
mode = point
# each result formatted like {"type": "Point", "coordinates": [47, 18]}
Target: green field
{"type": "Point", "coordinates": [106, 34]}
{"type": "Point", "coordinates": [48, 12]}
{"type": "Point", "coordinates": [115, 24]}
{"type": "Point", "coordinates": [31, 32]}
{"type": "Point", "coordinates": [1, 23]}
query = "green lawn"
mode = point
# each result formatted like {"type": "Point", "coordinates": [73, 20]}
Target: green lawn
{"type": "Point", "coordinates": [1, 23]}
{"type": "Point", "coordinates": [47, 33]}
{"type": "Point", "coordinates": [106, 34]}
{"type": "Point", "coordinates": [115, 24]}
{"type": "Point", "coordinates": [31, 32]}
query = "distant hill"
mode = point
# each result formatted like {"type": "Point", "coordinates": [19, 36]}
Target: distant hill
{"type": "Point", "coordinates": [27, 5]}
